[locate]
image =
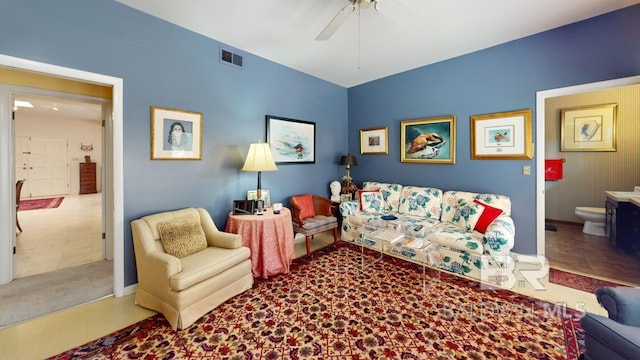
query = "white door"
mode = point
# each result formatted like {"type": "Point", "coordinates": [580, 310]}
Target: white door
{"type": "Point", "coordinates": [22, 163]}
{"type": "Point", "coordinates": [43, 163]}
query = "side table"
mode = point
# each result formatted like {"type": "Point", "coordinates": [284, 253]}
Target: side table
{"type": "Point", "coordinates": [270, 238]}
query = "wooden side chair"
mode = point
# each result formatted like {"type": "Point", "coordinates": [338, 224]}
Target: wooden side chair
{"type": "Point", "coordinates": [19, 184]}
{"type": "Point", "coordinates": [311, 214]}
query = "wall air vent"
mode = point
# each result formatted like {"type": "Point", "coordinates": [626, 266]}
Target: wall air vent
{"type": "Point", "coordinates": [230, 58]}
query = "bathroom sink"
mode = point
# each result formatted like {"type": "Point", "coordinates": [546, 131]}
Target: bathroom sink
{"type": "Point", "coordinates": [627, 193]}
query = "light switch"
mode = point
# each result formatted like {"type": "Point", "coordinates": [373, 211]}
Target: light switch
{"type": "Point", "coordinates": [526, 170]}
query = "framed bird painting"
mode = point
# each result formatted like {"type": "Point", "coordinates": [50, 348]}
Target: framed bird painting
{"type": "Point", "coordinates": [589, 128]}
{"type": "Point", "coordinates": [428, 141]}
{"type": "Point", "coordinates": [502, 136]}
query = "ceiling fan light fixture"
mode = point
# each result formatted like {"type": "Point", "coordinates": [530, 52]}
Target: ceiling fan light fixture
{"type": "Point", "coordinates": [364, 3]}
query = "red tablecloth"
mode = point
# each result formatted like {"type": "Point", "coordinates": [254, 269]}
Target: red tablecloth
{"type": "Point", "coordinates": [270, 238]}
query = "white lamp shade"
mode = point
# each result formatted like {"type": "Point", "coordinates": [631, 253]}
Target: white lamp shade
{"type": "Point", "coordinates": [259, 158]}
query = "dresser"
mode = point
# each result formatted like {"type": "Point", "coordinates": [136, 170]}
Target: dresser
{"type": "Point", "coordinates": [88, 178]}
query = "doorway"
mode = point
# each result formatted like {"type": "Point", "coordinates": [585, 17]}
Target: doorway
{"type": "Point", "coordinates": [113, 157]}
{"type": "Point", "coordinates": [541, 97]}
{"type": "Point", "coordinates": [54, 134]}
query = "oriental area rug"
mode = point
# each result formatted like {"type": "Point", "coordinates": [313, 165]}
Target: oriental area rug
{"type": "Point", "coordinates": [328, 307]}
{"type": "Point", "coordinates": [577, 281]}
{"type": "Point", "coordinates": [36, 204]}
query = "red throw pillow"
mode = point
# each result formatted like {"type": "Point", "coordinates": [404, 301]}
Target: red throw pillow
{"type": "Point", "coordinates": [306, 206]}
{"type": "Point", "coordinates": [360, 191]}
{"type": "Point", "coordinates": [488, 215]}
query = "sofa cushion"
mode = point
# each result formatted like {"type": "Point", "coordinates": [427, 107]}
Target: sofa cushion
{"type": "Point", "coordinates": [449, 235]}
{"type": "Point", "coordinates": [372, 202]}
{"type": "Point", "coordinates": [463, 213]}
{"type": "Point", "coordinates": [488, 215]}
{"type": "Point", "coordinates": [206, 264]}
{"type": "Point", "coordinates": [390, 194]}
{"type": "Point", "coordinates": [182, 236]}
{"type": "Point", "coordinates": [420, 201]}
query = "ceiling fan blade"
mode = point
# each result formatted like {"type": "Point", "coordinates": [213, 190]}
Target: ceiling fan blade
{"type": "Point", "coordinates": [336, 22]}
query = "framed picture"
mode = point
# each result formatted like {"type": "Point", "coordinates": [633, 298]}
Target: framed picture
{"type": "Point", "coordinates": [374, 141]}
{"type": "Point", "coordinates": [428, 141]}
{"type": "Point", "coordinates": [345, 197]}
{"type": "Point", "coordinates": [292, 141]}
{"type": "Point", "coordinates": [265, 197]}
{"type": "Point", "coordinates": [590, 128]}
{"type": "Point", "coordinates": [502, 136]}
{"type": "Point", "coordinates": [175, 134]}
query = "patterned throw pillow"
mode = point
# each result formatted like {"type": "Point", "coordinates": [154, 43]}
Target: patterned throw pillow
{"type": "Point", "coordinates": [465, 214]}
{"type": "Point", "coordinates": [372, 202]}
{"type": "Point", "coordinates": [182, 236]}
{"type": "Point", "coordinates": [360, 192]}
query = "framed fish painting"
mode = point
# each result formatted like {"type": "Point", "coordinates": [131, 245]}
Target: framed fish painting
{"type": "Point", "coordinates": [292, 141]}
{"type": "Point", "coordinates": [428, 141]}
{"type": "Point", "coordinates": [502, 136]}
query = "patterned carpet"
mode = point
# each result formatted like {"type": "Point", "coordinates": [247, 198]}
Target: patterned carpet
{"type": "Point", "coordinates": [36, 204]}
{"type": "Point", "coordinates": [577, 281]}
{"type": "Point", "coordinates": [329, 308]}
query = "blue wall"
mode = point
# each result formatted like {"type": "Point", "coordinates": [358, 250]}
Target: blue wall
{"type": "Point", "coordinates": [501, 78]}
{"type": "Point", "coordinates": [165, 65]}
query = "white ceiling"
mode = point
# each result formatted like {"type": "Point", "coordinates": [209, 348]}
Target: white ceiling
{"type": "Point", "coordinates": [403, 35]}
{"type": "Point", "coordinates": [59, 107]}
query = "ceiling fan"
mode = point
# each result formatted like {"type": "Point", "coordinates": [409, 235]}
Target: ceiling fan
{"type": "Point", "coordinates": [342, 16]}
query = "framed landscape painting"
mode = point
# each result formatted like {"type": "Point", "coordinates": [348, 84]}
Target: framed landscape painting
{"type": "Point", "coordinates": [292, 141]}
{"type": "Point", "coordinates": [502, 136]}
{"type": "Point", "coordinates": [428, 141]}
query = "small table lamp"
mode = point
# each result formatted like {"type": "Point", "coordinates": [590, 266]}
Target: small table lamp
{"type": "Point", "coordinates": [259, 159]}
{"type": "Point", "coordinates": [348, 160]}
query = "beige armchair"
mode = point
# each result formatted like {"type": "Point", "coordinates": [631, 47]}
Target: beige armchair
{"type": "Point", "coordinates": [185, 288]}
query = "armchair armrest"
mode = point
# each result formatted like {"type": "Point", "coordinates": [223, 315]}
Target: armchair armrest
{"type": "Point", "coordinates": [216, 237]}
{"type": "Point", "coordinates": [322, 205]}
{"type": "Point", "coordinates": [622, 304]}
{"type": "Point", "coordinates": [606, 338]}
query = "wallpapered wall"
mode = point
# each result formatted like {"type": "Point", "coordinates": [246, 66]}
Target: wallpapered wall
{"type": "Point", "coordinates": [587, 174]}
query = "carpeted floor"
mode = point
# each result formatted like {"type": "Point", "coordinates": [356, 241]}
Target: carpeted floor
{"type": "Point", "coordinates": [36, 204]}
{"type": "Point", "coordinates": [328, 307]}
{"type": "Point", "coordinates": [577, 281]}
{"type": "Point", "coordinates": [33, 296]}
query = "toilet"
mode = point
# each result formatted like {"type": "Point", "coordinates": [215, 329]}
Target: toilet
{"type": "Point", "coordinates": [594, 220]}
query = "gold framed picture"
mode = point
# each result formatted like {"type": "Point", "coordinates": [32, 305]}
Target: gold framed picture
{"type": "Point", "coordinates": [175, 134]}
{"type": "Point", "coordinates": [428, 141]}
{"type": "Point", "coordinates": [374, 141]}
{"type": "Point", "coordinates": [502, 136]}
{"type": "Point", "coordinates": [589, 128]}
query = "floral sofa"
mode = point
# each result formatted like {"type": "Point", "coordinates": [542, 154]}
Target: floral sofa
{"type": "Point", "coordinates": [467, 241]}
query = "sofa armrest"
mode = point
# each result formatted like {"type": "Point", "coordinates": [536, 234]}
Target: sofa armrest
{"type": "Point", "coordinates": [622, 304]}
{"type": "Point", "coordinates": [500, 236]}
{"type": "Point", "coordinates": [349, 208]}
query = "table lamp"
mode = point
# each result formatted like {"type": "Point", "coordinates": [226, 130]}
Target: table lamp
{"type": "Point", "coordinates": [259, 159]}
{"type": "Point", "coordinates": [348, 160]}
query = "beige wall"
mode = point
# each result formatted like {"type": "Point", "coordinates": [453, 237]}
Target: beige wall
{"type": "Point", "coordinates": [587, 175]}
{"type": "Point", "coordinates": [76, 131]}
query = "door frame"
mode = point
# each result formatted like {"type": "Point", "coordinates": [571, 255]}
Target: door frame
{"type": "Point", "coordinates": [113, 166]}
{"type": "Point", "coordinates": [541, 96]}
